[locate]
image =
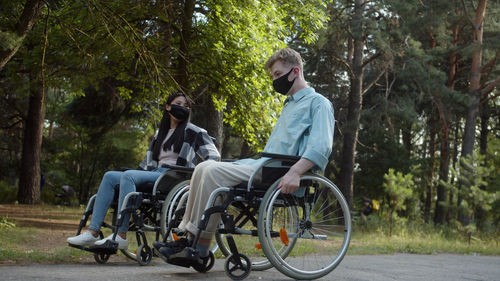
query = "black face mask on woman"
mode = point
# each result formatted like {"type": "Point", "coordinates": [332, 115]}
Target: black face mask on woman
{"type": "Point", "coordinates": [282, 85]}
{"type": "Point", "coordinates": [179, 112]}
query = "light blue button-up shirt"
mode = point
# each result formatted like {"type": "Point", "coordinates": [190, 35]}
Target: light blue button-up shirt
{"type": "Point", "coordinates": [304, 128]}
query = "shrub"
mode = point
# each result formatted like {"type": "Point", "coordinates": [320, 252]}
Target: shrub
{"type": "Point", "coordinates": [398, 188]}
{"type": "Point", "coordinates": [4, 223]}
{"type": "Point", "coordinates": [9, 193]}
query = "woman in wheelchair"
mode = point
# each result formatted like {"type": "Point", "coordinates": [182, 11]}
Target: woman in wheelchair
{"type": "Point", "coordinates": [177, 143]}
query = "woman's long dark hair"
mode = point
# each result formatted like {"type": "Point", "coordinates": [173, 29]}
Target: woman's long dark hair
{"type": "Point", "coordinates": [177, 137]}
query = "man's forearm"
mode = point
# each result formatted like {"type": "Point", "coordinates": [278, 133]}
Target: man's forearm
{"type": "Point", "coordinates": [291, 180]}
{"type": "Point", "coordinates": [302, 166]}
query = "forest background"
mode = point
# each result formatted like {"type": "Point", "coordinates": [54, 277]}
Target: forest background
{"type": "Point", "coordinates": [414, 84]}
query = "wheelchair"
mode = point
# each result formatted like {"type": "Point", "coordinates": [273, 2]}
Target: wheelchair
{"type": "Point", "coordinates": [304, 235]}
{"type": "Point", "coordinates": [145, 206]}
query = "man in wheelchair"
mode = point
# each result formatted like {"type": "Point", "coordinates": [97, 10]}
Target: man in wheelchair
{"type": "Point", "coordinates": [177, 142]}
{"type": "Point", "coordinates": [304, 129]}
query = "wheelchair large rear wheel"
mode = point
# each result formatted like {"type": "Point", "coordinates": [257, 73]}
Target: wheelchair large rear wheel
{"type": "Point", "coordinates": [319, 235]}
{"type": "Point", "coordinates": [170, 204]}
{"type": "Point", "coordinates": [175, 200]}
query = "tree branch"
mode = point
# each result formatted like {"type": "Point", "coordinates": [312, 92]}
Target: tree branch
{"type": "Point", "coordinates": [488, 68]}
{"type": "Point", "coordinates": [11, 125]}
{"type": "Point", "coordinates": [489, 98]}
{"type": "Point", "coordinates": [472, 4]}
{"type": "Point", "coordinates": [372, 58]}
{"type": "Point", "coordinates": [345, 63]}
{"type": "Point", "coordinates": [491, 62]}
{"type": "Point", "coordinates": [467, 16]}
{"type": "Point", "coordinates": [374, 81]}
{"type": "Point", "coordinates": [488, 87]}
{"type": "Point", "coordinates": [30, 13]}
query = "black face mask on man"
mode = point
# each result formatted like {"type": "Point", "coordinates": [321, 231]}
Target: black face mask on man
{"type": "Point", "coordinates": [282, 85]}
{"type": "Point", "coordinates": [179, 112]}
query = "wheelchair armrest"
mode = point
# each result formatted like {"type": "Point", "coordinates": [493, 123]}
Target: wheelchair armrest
{"type": "Point", "coordinates": [271, 173]}
{"type": "Point", "coordinates": [281, 156]}
{"type": "Point", "coordinates": [178, 168]}
{"type": "Point", "coordinates": [123, 169]}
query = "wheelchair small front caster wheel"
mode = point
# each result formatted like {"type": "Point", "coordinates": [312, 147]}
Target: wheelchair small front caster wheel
{"type": "Point", "coordinates": [144, 254]}
{"type": "Point", "coordinates": [208, 263]}
{"type": "Point", "coordinates": [237, 266]}
{"type": "Point", "coordinates": [101, 257]}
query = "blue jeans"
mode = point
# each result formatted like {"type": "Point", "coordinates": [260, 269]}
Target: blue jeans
{"type": "Point", "coordinates": [127, 180]}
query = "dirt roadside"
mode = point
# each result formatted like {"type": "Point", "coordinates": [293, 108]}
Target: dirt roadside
{"type": "Point", "coordinates": [54, 226]}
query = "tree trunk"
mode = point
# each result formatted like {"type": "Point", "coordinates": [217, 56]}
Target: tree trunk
{"type": "Point", "coordinates": [450, 216]}
{"type": "Point", "coordinates": [29, 175]}
{"type": "Point", "coordinates": [474, 91]}
{"type": "Point", "coordinates": [483, 147]}
{"type": "Point", "coordinates": [475, 81]}
{"type": "Point", "coordinates": [354, 108]}
{"type": "Point", "coordinates": [246, 150]}
{"type": "Point", "coordinates": [452, 73]}
{"type": "Point", "coordinates": [31, 11]}
{"type": "Point", "coordinates": [484, 113]}
{"type": "Point", "coordinates": [214, 123]}
{"type": "Point", "coordinates": [166, 31]}
{"type": "Point", "coordinates": [432, 153]}
{"type": "Point", "coordinates": [444, 163]}
{"type": "Point", "coordinates": [440, 214]}
{"type": "Point", "coordinates": [182, 76]}
{"type": "Point", "coordinates": [206, 115]}
{"type": "Point", "coordinates": [407, 138]}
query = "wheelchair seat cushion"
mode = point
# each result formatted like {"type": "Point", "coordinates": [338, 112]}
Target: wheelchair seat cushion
{"type": "Point", "coordinates": [269, 176]}
{"type": "Point", "coordinates": [146, 187]}
{"type": "Point", "coordinates": [272, 174]}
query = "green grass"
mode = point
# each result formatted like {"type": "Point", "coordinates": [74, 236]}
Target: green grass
{"type": "Point", "coordinates": [13, 237]}
{"type": "Point", "coordinates": [65, 255]}
{"type": "Point", "coordinates": [419, 243]}
{"type": "Point", "coordinates": [418, 238]}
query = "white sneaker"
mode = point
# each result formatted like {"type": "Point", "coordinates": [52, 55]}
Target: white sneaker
{"type": "Point", "coordinates": [84, 239]}
{"type": "Point", "coordinates": [122, 243]}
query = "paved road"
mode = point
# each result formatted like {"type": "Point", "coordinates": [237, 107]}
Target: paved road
{"type": "Point", "coordinates": [400, 267]}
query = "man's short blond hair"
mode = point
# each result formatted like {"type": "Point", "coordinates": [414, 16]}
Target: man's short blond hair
{"type": "Point", "coordinates": [287, 56]}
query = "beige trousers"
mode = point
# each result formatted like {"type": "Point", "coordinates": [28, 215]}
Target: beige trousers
{"type": "Point", "coordinates": [208, 176]}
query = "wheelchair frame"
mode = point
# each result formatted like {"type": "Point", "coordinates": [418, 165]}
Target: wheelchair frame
{"type": "Point", "coordinates": [142, 206]}
{"type": "Point", "coordinates": [237, 264]}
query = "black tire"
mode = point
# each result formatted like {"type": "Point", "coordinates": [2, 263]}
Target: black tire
{"type": "Point", "coordinates": [144, 254]}
{"type": "Point", "coordinates": [259, 260]}
{"type": "Point", "coordinates": [323, 228]}
{"type": "Point", "coordinates": [134, 245]}
{"type": "Point", "coordinates": [169, 204]}
{"type": "Point", "coordinates": [238, 266]}
{"type": "Point", "coordinates": [101, 258]}
{"type": "Point", "coordinates": [208, 263]}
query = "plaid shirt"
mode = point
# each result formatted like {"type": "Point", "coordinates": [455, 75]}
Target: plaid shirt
{"type": "Point", "coordinates": [196, 142]}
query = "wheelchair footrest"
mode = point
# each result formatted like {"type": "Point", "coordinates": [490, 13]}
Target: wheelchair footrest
{"type": "Point", "coordinates": [106, 248]}
{"type": "Point", "coordinates": [185, 258]}
{"type": "Point", "coordinates": [109, 247]}
{"type": "Point", "coordinates": [188, 257]}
